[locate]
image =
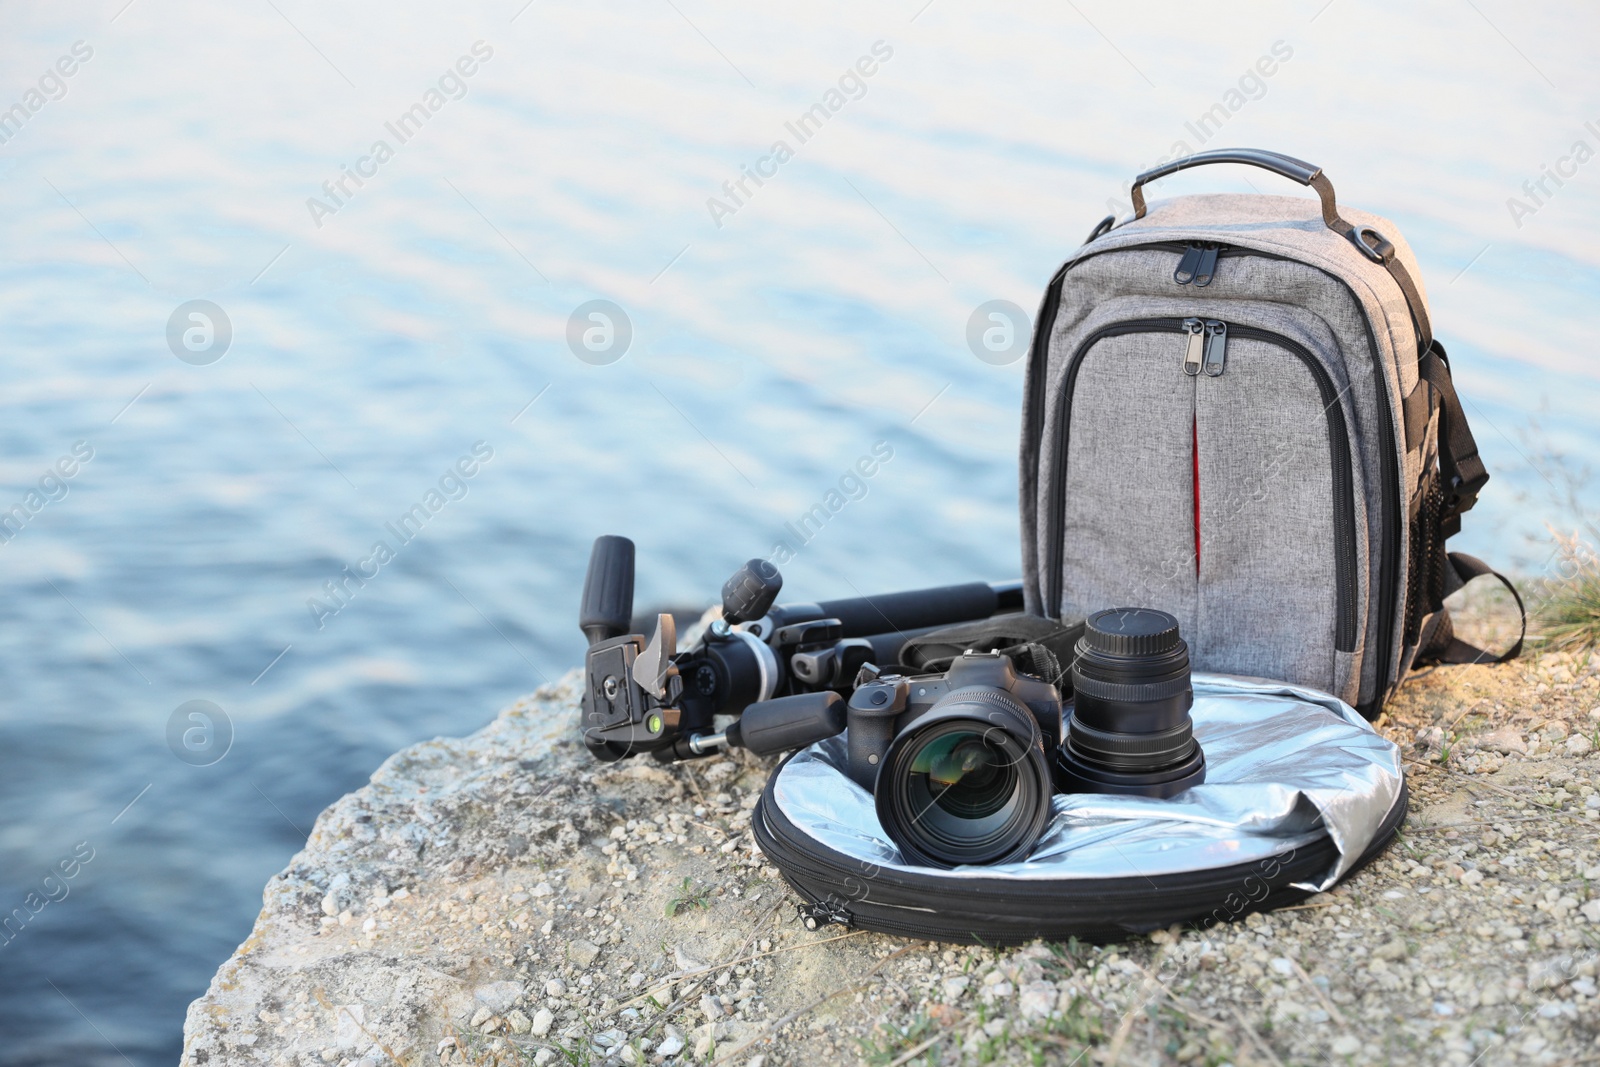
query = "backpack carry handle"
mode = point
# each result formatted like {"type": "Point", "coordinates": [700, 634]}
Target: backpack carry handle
{"type": "Point", "coordinates": [1296, 170]}
{"type": "Point", "coordinates": [1368, 241]}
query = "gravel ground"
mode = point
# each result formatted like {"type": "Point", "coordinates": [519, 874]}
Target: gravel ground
{"type": "Point", "coordinates": [501, 899]}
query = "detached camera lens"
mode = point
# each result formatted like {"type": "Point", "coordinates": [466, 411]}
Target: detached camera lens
{"type": "Point", "coordinates": [1130, 730]}
{"type": "Point", "coordinates": [966, 783]}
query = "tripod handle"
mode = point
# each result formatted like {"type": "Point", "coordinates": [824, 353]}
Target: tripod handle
{"type": "Point", "coordinates": [607, 609]}
{"type": "Point", "coordinates": [771, 726]}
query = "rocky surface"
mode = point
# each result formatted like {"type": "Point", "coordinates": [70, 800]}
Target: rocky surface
{"type": "Point", "coordinates": [501, 899]}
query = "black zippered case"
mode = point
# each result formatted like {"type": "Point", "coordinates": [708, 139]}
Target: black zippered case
{"type": "Point", "coordinates": [1300, 793]}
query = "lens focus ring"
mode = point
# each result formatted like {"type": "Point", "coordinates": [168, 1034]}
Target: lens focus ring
{"type": "Point", "coordinates": [1088, 685]}
{"type": "Point", "coordinates": [1143, 749]}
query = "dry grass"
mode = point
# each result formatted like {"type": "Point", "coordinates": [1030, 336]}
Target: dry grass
{"type": "Point", "coordinates": [1568, 613]}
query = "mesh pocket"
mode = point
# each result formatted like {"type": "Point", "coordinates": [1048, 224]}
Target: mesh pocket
{"type": "Point", "coordinates": [1425, 562]}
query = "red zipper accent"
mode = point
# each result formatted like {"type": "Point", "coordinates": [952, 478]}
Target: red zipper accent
{"type": "Point", "coordinates": [1194, 450]}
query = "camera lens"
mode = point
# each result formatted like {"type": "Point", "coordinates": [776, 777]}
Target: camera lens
{"type": "Point", "coordinates": [963, 776]}
{"type": "Point", "coordinates": [1130, 730]}
{"type": "Point", "coordinates": [967, 783]}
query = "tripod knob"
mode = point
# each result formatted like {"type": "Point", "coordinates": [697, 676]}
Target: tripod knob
{"type": "Point", "coordinates": [750, 593]}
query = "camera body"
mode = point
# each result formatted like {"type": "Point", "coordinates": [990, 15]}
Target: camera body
{"type": "Point", "coordinates": [958, 763]}
{"type": "Point", "coordinates": [881, 708]}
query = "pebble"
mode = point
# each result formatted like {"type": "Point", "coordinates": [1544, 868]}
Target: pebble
{"type": "Point", "coordinates": [1282, 966]}
{"type": "Point", "coordinates": [555, 987]}
{"type": "Point", "coordinates": [1037, 999]}
{"type": "Point", "coordinates": [954, 987]}
{"type": "Point", "coordinates": [607, 1040]}
{"type": "Point", "coordinates": [543, 1019]}
{"type": "Point", "coordinates": [1390, 950]}
{"type": "Point", "coordinates": [670, 1045]}
{"type": "Point", "coordinates": [1578, 745]}
{"type": "Point", "coordinates": [1504, 740]}
{"type": "Point", "coordinates": [499, 996]}
{"type": "Point", "coordinates": [582, 952]}
{"type": "Point", "coordinates": [519, 1023]}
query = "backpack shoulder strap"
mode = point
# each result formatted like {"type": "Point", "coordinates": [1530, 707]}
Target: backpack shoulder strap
{"type": "Point", "coordinates": [1443, 645]}
{"type": "Point", "coordinates": [1463, 477]}
{"type": "Point", "coordinates": [1463, 470]}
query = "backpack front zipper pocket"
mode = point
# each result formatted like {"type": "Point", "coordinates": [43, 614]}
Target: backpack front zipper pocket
{"type": "Point", "coordinates": [1201, 357]}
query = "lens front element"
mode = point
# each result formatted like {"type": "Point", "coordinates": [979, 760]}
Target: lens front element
{"type": "Point", "coordinates": [967, 783]}
{"type": "Point", "coordinates": [964, 776]}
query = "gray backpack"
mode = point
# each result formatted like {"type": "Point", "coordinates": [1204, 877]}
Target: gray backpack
{"type": "Point", "coordinates": [1236, 412]}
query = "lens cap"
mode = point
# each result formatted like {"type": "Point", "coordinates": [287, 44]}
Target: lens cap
{"type": "Point", "coordinates": [1131, 632]}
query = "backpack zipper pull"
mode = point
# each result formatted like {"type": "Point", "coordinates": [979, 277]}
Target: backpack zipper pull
{"type": "Point", "coordinates": [1196, 328]}
{"type": "Point", "coordinates": [1216, 347]}
{"type": "Point", "coordinates": [1186, 266]}
{"type": "Point", "coordinates": [1207, 268]}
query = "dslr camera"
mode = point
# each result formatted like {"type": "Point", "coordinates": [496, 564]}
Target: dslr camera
{"type": "Point", "coordinates": [958, 763]}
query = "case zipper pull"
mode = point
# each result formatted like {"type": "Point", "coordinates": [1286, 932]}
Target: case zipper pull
{"type": "Point", "coordinates": [829, 909]}
{"type": "Point", "coordinates": [1216, 347]}
{"type": "Point", "coordinates": [1186, 266]}
{"type": "Point", "coordinates": [1196, 329]}
{"type": "Point", "coordinates": [1207, 268]}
